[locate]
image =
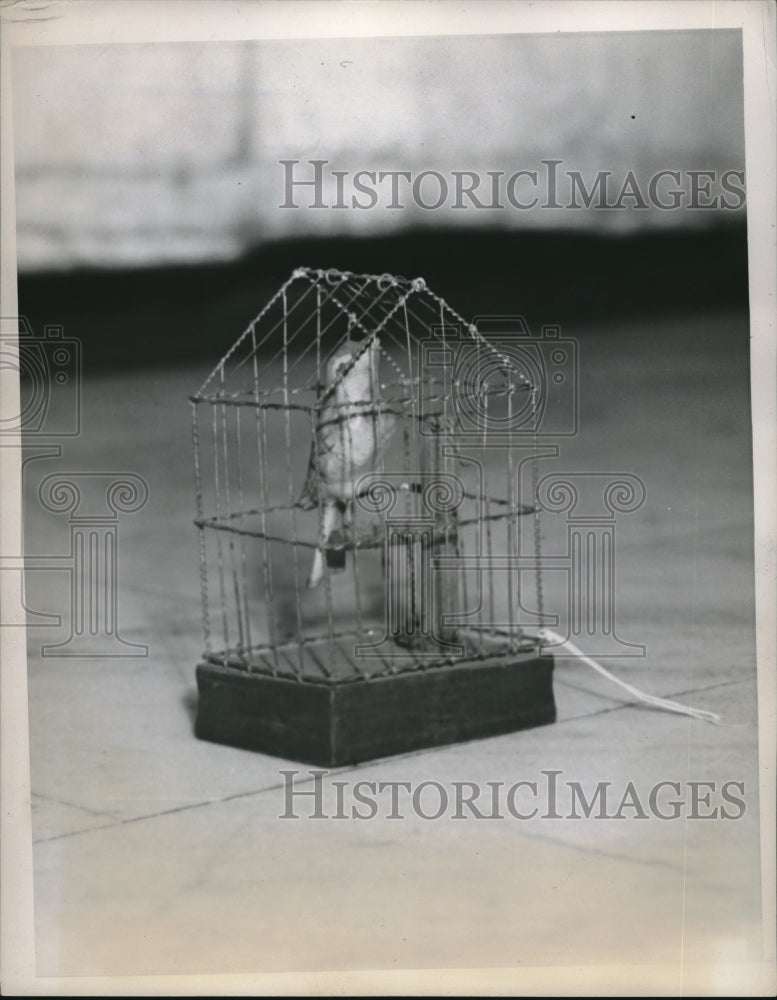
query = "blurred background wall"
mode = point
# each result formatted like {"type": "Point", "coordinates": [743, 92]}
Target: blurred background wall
{"type": "Point", "coordinates": [169, 153]}
{"type": "Point", "coordinates": [149, 182]}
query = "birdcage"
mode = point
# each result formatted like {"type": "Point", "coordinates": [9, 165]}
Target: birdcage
{"type": "Point", "coordinates": [365, 506]}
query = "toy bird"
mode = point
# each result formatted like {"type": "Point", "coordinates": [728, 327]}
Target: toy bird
{"type": "Point", "coordinates": [350, 435]}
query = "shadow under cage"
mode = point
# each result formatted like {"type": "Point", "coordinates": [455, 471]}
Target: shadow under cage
{"type": "Point", "coordinates": [358, 495]}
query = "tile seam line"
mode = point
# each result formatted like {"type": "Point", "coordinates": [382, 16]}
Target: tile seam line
{"type": "Point", "coordinates": [349, 769]}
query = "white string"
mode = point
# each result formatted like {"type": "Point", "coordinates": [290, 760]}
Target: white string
{"type": "Point", "coordinates": [650, 699]}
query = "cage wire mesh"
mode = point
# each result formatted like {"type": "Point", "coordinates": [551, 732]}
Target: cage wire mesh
{"type": "Point", "coordinates": [357, 514]}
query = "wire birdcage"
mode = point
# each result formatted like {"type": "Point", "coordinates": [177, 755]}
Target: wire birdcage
{"type": "Point", "coordinates": [359, 498]}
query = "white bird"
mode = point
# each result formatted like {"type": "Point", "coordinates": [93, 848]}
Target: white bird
{"type": "Point", "coordinates": [350, 434]}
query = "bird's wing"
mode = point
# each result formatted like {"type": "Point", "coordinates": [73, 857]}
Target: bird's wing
{"type": "Point", "coordinates": [309, 497]}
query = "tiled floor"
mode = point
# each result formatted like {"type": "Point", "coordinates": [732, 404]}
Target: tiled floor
{"type": "Point", "coordinates": [157, 854]}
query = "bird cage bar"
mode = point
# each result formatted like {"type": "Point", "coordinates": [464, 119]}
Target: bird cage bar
{"type": "Point", "coordinates": [401, 591]}
{"type": "Point", "coordinates": [227, 552]}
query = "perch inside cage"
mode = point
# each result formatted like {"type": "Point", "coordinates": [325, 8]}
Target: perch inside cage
{"type": "Point", "coordinates": [359, 485]}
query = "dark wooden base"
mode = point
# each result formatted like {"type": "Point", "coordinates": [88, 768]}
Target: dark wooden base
{"type": "Point", "coordinates": [335, 724]}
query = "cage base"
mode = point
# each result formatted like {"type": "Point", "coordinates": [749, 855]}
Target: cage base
{"type": "Point", "coordinates": [336, 724]}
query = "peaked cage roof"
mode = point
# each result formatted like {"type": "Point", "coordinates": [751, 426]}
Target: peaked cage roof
{"type": "Point", "coordinates": [315, 312]}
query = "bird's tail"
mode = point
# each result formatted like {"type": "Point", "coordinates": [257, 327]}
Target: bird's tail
{"type": "Point", "coordinates": [316, 570]}
{"type": "Point", "coordinates": [335, 558]}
